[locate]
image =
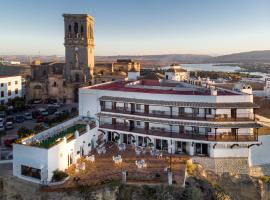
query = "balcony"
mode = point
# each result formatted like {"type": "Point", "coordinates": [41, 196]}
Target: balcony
{"type": "Point", "coordinates": [184, 116]}
{"type": "Point", "coordinates": [220, 137]}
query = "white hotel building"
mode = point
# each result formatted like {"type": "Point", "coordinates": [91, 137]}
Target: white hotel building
{"type": "Point", "coordinates": [177, 117]}
{"type": "Point", "coordinates": [10, 87]}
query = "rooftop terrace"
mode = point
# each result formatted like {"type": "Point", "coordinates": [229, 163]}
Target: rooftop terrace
{"type": "Point", "coordinates": [159, 87]}
{"type": "Point", "coordinates": [55, 135]}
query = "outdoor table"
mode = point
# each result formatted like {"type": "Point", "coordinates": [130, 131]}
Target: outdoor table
{"type": "Point", "coordinates": [117, 159]}
{"type": "Point", "coordinates": [91, 158]}
{"type": "Point", "coordinates": [141, 163]}
{"type": "Point", "coordinates": [122, 147]}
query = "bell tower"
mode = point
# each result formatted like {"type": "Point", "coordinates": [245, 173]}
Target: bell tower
{"type": "Point", "coordinates": [79, 48]}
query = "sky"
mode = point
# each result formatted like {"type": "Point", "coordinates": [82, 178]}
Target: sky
{"type": "Point", "coordinates": [138, 27]}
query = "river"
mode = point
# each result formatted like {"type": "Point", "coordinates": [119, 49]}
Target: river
{"type": "Point", "coordinates": [220, 67]}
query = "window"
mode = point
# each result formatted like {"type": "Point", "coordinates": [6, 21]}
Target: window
{"type": "Point", "coordinates": [54, 84]}
{"type": "Point", "coordinates": [16, 82]}
{"type": "Point", "coordinates": [9, 83]}
{"type": "Point", "coordinates": [2, 84]}
{"type": "Point", "coordinates": [2, 102]}
{"type": "Point", "coordinates": [9, 92]}
{"type": "Point", "coordinates": [16, 91]}
{"type": "Point", "coordinates": [138, 123]}
{"type": "Point", "coordinates": [76, 27]}
{"type": "Point", "coordinates": [138, 106]}
{"type": "Point", "coordinates": [2, 94]}
{"type": "Point", "coordinates": [30, 172]}
{"type": "Point", "coordinates": [81, 29]}
{"type": "Point", "coordinates": [69, 28]}
{"type": "Point", "coordinates": [208, 111]}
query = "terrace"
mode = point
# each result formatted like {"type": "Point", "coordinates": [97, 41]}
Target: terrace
{"type": "Point", "coordinates": [69, 130]}
{"type": "Point", "coordinates": [156, 87]}
{"type": "Point", "coordinates": [104, 169]}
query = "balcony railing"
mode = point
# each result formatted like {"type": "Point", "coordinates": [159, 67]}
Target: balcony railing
{"type": "Point", "coordinates": [219, 137]}
{"type": "Point", "coordinates": [186, 116]}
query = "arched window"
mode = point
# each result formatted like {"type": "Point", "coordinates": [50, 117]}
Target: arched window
{"type": "Point", "coordinates": [54, 84]}
{"type": "Point", "coordinates": [81, 29]}
{"type": "Point", "coordinates": [69, 28]}
{"type": "Point", "coordinates": [76, 28]}
{"type": "Point", "coordinates": [77, 78]}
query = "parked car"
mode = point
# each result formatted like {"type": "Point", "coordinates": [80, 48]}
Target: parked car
{"type": "Point", "coordinates": [19, 118]}
{"type": "Point", "coordinates": [9, 142]}
{"type": "Point", "coordinates": [51, 110]}
{"type": "Point", "coordinates": [43, 111]}
{"type": "Point", "coordinates": [2, 127]}
{"type": "Point", "coordinates": [9, 125]}
{"type": "Point", "coordinates": [40, 119]}
{"type": "Point", "coordinates": [55, 105]}
{"type": "Point", "coordinates": [37, 101]}
{"type": "Point", "coordinates": [2, 114]}
{"type": "Point", "coordinates": [10, 119]}
{"type": "Point", "coordinates": [35, 114]}
{"type": "Point", "coordinates": [28, 116]}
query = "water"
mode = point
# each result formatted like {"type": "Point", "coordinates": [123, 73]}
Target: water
{"type": "Point", "coordinates": [221, 68]}
{"type": "Point", "coordinates": [210, 67]}
{"type": "Point", "coordinates": [260, 154]}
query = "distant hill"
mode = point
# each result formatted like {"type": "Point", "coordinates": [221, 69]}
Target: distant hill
{"type": "Point", "coordinates": [246, 57]}
{"type": "Point", "coordinates": [183, 58]}
{"type": "Point", "coordinates": [165, 59]}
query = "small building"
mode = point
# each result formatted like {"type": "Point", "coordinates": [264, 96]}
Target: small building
{"type": "Point", "coordinates": [36, 158]}
{"type": "Point", "coordinates": [266, 88]}
{"type": "Point", "coordinates": [10, 87]}
{"type": "Point", "coordinates": [176, 73]}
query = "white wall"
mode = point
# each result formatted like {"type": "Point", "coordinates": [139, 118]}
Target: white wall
{"type": "Point", "coordinates": [12, 87]}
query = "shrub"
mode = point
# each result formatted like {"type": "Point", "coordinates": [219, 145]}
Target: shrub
{"type": "Point", "coordinates": [38, 128]}
{"type": "Point", "coordinates": [190, 168]}
{"type": "Point", "coordinates": [265, 179]}
{"type": "Point", "coordinates": [59, 175]}
{"type": "Point", "coordinates": [192, 193]}
{"type": "Point", "coordinates": [24, 132]}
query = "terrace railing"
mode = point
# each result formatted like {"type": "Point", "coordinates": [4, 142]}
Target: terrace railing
{"type": "Point", "coordinates": [185, 116]}
{"type": "Point", "coordinates": [219, 137]}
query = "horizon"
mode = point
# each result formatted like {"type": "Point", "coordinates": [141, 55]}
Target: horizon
{"type": "Point", "coordinates": [172, 27]}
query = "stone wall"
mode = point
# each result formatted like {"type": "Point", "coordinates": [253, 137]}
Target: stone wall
{"type": "Point", "coordinates": [260, 170]}
{"type": "Point", "coordinates": [13, 188]}
{"type": "Point", "coordinates": [224, 165]}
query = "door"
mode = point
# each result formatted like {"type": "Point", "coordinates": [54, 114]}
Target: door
{"type": "Point", "coordinates": [113, 105]}
{"type": "Point", "coordinates": [181, 129]}
{"type": "Point", "coordinates": [132, 108]}
{"type": "Point", "coordinates": [125, 138]}
{"type": "Point", "coordinates": [146, 126]}
{"type": "Point", "coordinates": [146, 109]}
{"type": "Point", "coordinates": [131, 125]}
{"type": "Point", "coordinates": [233, 113]}
{"type": "Point", "coordinates": [181, 111]}
{"type": "Point", "coordinates": [114, 121]}
{"type": "Point", "coordinates": [234, 133]}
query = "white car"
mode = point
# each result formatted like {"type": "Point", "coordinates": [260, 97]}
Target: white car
{"type": "Point", "coordinates": [28, 116]}
{"type": "Point", "coordinates": [9, 125]}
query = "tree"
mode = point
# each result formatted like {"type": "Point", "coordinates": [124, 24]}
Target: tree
{"type": "Point", "coordinates": [192, 193]}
